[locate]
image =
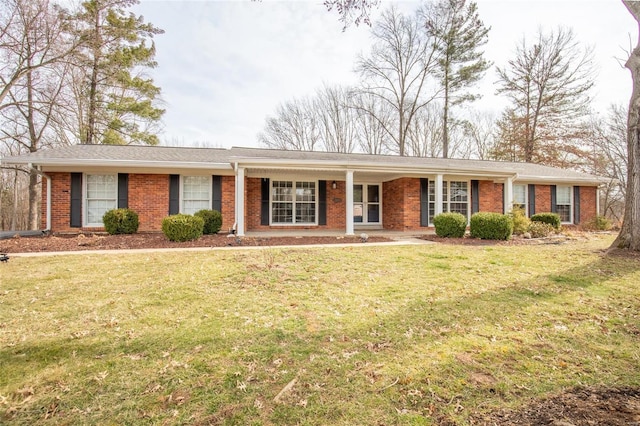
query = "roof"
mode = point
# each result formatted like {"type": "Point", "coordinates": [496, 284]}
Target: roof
{"type": "Point", "coordinates": [128, 156]}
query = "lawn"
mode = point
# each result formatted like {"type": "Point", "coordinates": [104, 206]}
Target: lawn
{"type": "Point", "coordinates": [403, 335]}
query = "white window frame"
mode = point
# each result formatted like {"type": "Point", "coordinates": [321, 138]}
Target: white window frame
{"type": "Point", "coordinates": [525, 204]}
{"type": "Point", "coordinates": [182, 197]}
{"type": "Point", "coordinates": [570, 189]}
{"type": "Point", "coordinates": [86, 199]}
{"type": "Point", "coordinates": [293, 202]}
{"type": "Point", "coordinates": [446, 204]}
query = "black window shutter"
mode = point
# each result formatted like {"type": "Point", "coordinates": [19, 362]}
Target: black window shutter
{"type": "Point", "coordinates": [123, 190]}
{"type": "Point", "coordinates": [174, 194]}
{"type": "Point", "coordinates": [216, 193]}
{"type": "Point", "coordinates": [475, 196]}
{"type": "Point", "coordinates": [264, 202]}
{"type": "Point", "coordinates": [322, 202]}
{"type": "Point", "coordinates": [576, 205]}
{"type": "Point", "coordinates": [532, 200]}
{"type": "Point", "coordinates": [76, 200]}
{"type": "Point", "coordinates": [424, 202]}
{"type": "Point", "coordinates": [554, 204]}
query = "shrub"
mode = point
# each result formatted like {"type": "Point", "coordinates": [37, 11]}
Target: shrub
{"type": "Point", "coordinates": [552, 219]}
{"type": "Point", "coordinates": [599, 223]}
{"type": "Point", "coordinates": [450, 225]}
{"type": "Point", "coordinates": [120, 221]}
{"type": "Point", "coordinates": [491, 226]}
{"type": "Point", "coordinates": [182, 227]}
{"type": "Point", "coordinates": [212, 221]}
{"type": "Point", "coordinates": [540, 229]}
{"type": "Point", "coordinates": [520, 220]}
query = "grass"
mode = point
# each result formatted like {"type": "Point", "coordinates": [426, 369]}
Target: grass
{"type": "Point", "coordinates": [413, 335]}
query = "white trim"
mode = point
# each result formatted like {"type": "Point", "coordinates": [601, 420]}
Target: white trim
{"type": "Point", "coordinates": [293, 202]}
{"type": "Point", "coordinates": [239, 201]}
{"type": "Point", "coordinates": [85, 199]}
{"type": "Point", "coordinates": [508, 195]}
{"type": "Point", "coordinates": [437, 208]}
{"type": "Point", "coordinates": [365, 202]}
{"type": "Point", "coordinates": [571, 203]}
{"type": "Point", "coordinates": [349, 200]}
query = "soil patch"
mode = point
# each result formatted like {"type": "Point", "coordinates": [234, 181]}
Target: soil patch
{"type": "Point", "coordinates": [79, 242]}
{"type": "Point", "coordinates": [577, 407]}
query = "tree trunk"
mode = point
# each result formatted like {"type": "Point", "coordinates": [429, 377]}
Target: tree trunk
{"type": "Point", "coordinates": [629, 236]}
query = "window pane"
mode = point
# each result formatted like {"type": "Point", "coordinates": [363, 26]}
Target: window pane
{"type": "Point", "coordinates": [565, 212]}
{"type": "Point", "coordinates": [373, 213]}
{"type": "Point", "coordinates": [102, 192]}
{"type": "Point", "coordinates": [373, 194]}
{"type": "Point", "coordinates": [195, 194]}
{"type": "Point", "coordinates": [563, 195]}
{"type": "Point", "coordinates": [358, 213]}
{"type": "Point", "coordinates": [282, 213]}
{"type": "Point", "coordinates": [306, 191]}
{"type": "Point", "coordinates": [305, 212]}
{"type": "Point", "coordinates": [357, 193]}
{"type": "Point", "coordinates": [97, 208]}
{"type": "Point", "coordinates": [519, 194]}
{"type": "Point", "coordinates": [459, 191]}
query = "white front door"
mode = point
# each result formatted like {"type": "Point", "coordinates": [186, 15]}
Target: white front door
{"type": "Point", "coordinates": [366, 204]}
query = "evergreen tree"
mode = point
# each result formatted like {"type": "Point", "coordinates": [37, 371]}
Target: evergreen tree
{"type": "Point", "coordinates": [117, 103]}
{"type": "Point", "coordinates": [458, 33]}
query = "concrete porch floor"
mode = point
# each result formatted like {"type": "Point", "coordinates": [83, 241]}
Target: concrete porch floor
{"type": "Point", "coordinates": [393, 235]}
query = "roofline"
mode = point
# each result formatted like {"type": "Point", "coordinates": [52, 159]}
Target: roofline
{"type": "Point", "coordinates": [125, 163]}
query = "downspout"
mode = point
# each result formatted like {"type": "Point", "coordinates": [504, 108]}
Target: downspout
{"type": "Point", "coordinates": [48, 178]}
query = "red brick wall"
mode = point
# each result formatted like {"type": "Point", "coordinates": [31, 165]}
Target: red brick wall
{"type": "Point", "coordinates": [60, 202]}
{"type": "Point", "coordinates": [401, 204]}
{"type": "Point", "coordinates": [228, 203]}
{"type": "Point", "coordinates": [336, 208]}
{"type": "Point", "coordinates": [588, 203]}
{"type": "Point", "coordinates": [543, 198]}
{"type": "Point", "coordinates": [149, 197]}
{"type": "Point", "coordinates": [490, 197]}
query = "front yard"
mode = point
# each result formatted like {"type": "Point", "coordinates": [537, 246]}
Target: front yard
{"type": "Point", "coordinates": [366, 335]}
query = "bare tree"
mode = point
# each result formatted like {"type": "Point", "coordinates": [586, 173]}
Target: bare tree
{"type": "Point", "coordinates": [629, 236]}
{"type": "Point", "coordinates": [548, 84]}
{"type": "Point", "coordinates": [479, 130]}
{"type": "Point", "coordinates": [294, 127]}
{"type": "Point", "coordinates": [356, 11]}
{"type": "Point", "coordinates": [459, 34]}
{"type": "Point", "coordinates": [425, 134]}
{"type": "Point", "coordinates": [336, 119]}
{"type": "Point", "coordinates": [396, 71]}
{"type": "Point", "coordinates": [372, 118]}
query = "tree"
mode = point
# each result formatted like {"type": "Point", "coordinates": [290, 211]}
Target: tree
{"type": "Point", "coordinates": [116, 102]}
{"type": "Point", "coordinates": [396, 72]}
{"type": "Point", "coordinates": [372, 117]}
{"type": "Point", "coordinates": [548, 84]}
{"type": "Point", "coordinates": [336, 119]}
{"type": "Point", "coordinates": [294, 127]}
{"type": "Point", "coordinates": [629, 236]}
{"type": "Point", "coordinates": [479, 130]}
{"type": "Point", "coordinates": [459, 35]}
{"type": "Point", "coordinates": [35, 49]}
{"type": "Point", "coordinates": [355, 11]}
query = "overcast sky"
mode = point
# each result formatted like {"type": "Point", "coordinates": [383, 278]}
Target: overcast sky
{"type": "Point", "coordinates": [224, 66]}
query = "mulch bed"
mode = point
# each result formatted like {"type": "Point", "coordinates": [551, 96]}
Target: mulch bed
{"type": "Point", "coordinates": [78, 242]}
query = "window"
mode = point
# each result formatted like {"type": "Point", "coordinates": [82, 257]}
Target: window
{"type": "Point", "coordinates": [196, 193]}
{"type": "Point", "coordinates": [520, 197]}
{"type": "Point", "coordinates": [101, 196]}
{"type": "Point", "coordinates": [455, 198]}
{"type": "Point", "coordinates": [563, 203]}
{"type": "Point", "coordinates": [366, 204]}
{"type": "Point", "coordinates": [288, 197]}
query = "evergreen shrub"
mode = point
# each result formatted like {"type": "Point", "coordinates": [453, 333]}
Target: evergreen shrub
{"type": "Point", "coordinates": [450, 225]}
{"type": "Point", "coordinates": [182, 227]}
{"type": "Point", "coordinates": [121, 221]}
{"type": "Point", "coordinates": [552, 219]}
{"type": "Point", "coordinates": [491, 226]}
{"type": "Point", "coordinates": [212, 221]}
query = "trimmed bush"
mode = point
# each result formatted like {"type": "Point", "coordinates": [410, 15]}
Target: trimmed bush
{"type": "Point", "coordinates": [552, 219]}
{"type": "Point", "coordinates": [450, 225]}
{"type": "Point", "coordinates": [120, 221]}
{"type": "Point", "coordinates": [540, 229]}
{"type": "Point", "coordinates": [520, 220]}
{"type": "Point", "coordinates": [212, 221]}
{"type": "Point", "coordinates": [491, 226]}
{"type": "Point", "coordinates": [182, 227]}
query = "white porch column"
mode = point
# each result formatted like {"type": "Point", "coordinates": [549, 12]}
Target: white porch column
{"type": "Point", "coordinates": [349, 201]}
{"type": "Point", "coordinates": [508, 195]}
{"type": "Point", "coordinates": [598, 201]}
{"type": "Point", "coordinates": [438, 204]}
{"type": "Point", "coordinates": [240, 201]}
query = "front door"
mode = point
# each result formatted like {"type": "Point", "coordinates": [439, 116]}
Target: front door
{"type": "Point", "coordinates": [366, 204]}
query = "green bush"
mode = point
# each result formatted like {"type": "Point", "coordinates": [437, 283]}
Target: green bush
{"type": "Point", "coordinates": [599, 223]}
{"type": "Point", "coordinates": [491, 226]}
{"type": "Point", "coordinates": [520, 220]}
{"type": "Point", "coordinates": [450, 225]}
{"type": "Point", "coordinates": [552, 219]}
{"type": "Point", "coordinates": [182, 227]}
{"type": "Point", "coordinates": [212, 221]}
{"type": "Point", "coordinates": [120, 221]}
{"type": "Point", "coordinates": [540, 229]}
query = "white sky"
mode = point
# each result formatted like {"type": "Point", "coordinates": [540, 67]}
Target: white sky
{"type": "Point", "coordinates": [224, 66]}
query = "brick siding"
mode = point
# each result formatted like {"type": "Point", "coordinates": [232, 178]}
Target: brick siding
{"type": "Point", "coordinates": [588, 204]}
{"type": "Point", "coordinates": [543, 198]}
{"type": "Point", "coordinates": [490, 197]}
{"type": "Point", "coordinates": [401, 204]}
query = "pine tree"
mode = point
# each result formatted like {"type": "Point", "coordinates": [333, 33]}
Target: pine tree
{"type": "Point", "coordinates": [116, 101]}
